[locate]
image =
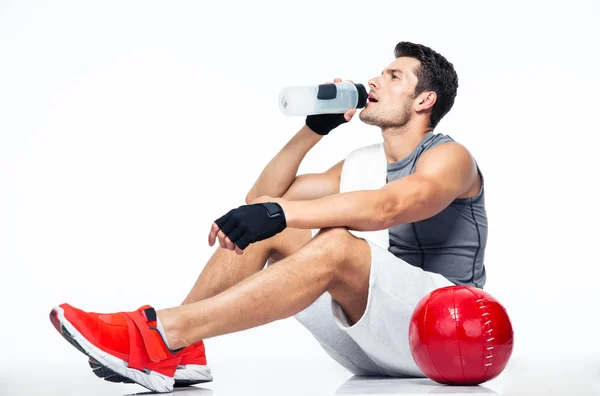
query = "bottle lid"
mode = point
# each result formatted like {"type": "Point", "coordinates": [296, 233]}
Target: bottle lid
{"type": "Point", "coordinates": [362, 96]}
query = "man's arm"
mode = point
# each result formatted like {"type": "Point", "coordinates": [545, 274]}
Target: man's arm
{"type": "Point", "coordinates": [315, 185]}
{"type": "Point", "coordinates": [277, 177]}
{"type": "Point", "coordinates": [280, 174]}
{"type": "Point", "coordinates": [442, 174]}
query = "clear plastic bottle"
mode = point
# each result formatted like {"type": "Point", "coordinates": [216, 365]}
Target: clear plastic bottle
{"type": "Point", "coordinates": [334, 98]}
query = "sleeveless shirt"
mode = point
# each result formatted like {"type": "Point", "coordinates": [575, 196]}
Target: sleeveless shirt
{"type": "Point", "coordinates": [452, 242]}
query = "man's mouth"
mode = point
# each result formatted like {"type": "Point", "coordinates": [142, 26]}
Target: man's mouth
{"type": "Point", "coordinates": [371, 99]}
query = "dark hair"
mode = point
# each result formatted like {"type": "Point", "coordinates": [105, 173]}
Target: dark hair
{"type": "Point", "coordinates": [434, 74]}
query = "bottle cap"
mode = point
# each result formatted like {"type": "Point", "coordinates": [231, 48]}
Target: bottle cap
{"type": "Point", "coordinates": [362, 96]}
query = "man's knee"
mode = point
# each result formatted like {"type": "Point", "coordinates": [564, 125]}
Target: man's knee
{"type": "Point", "coordinates": [334, 236]}
{"type": "Point", "coordinates": [333, 242]}
{"type": "Point", "coordinates": [350, 257]}
{"type": "Point", "coordinates": [341, 247]}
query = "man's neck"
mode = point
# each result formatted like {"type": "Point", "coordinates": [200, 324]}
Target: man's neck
{"type": "Point", "coordinates": [400, 142]}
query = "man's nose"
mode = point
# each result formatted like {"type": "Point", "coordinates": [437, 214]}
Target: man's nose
{"type": "Point", "coordinates": [374, 82]}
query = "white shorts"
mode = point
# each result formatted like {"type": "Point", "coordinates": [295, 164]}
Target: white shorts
{"type": "Point", "coordinates": [377, 344]}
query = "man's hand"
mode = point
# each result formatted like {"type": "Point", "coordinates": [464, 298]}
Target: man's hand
{"type": "Point", "coordinates": [322, 124]}
{"type": "Point", "coordinates": [248, 224]}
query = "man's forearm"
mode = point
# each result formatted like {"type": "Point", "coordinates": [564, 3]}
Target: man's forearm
{"type": "Point", "coordinates": [281, 171]}
{"type": "Point", "coordinates": [365, 210]}
{"type": "Point", "coordinates": [410, 199]}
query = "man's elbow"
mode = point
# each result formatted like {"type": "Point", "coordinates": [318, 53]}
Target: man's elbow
{"type": "Point", "coordinates": [387, 212]}
{"type": "Point", "coordinates": [403, 208]}
{"type": "Point", "coordinates": [251, 196]}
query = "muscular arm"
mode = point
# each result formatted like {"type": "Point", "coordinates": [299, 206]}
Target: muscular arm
{"type": "Point", "coordinates": [443, 174]}
{"type": "Point", "coordinates": [280, 173]}
{"type": "Point", "coordinates": [315, 185]}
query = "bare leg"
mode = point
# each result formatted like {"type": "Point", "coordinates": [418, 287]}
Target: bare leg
{"type": "Point", "coordinates": [226, 268]}
{"type": "Point", "coordinates": [333, 261]}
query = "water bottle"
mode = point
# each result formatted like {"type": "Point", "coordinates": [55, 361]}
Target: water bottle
{"type": "Point", "coordinates": [334, 98]}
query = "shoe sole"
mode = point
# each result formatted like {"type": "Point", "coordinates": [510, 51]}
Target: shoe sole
{"type": "Point", "coordinates": [192, 374]}
{"type": "Point", "coordinates": [148, 379]}
{"type": "Point", "coordinates": [188, 375]}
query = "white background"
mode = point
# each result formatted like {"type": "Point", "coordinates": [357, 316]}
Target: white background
{"type": "Point", "coordinates": [126, 128]}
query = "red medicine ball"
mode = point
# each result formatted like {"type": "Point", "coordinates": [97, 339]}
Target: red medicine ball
{"type": "Point", "coordinates": [460, 335]}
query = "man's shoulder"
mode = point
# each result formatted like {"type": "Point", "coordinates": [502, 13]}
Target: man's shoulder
{"type": "Point", "coordinates": [440, 137]}
{"type": "Point", "coordinates": [447, 150]}
{"type": "Point", "coordinates": [443, 142]}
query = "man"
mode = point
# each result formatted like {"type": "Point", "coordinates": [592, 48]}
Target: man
{"type": "Point", "coordinates": [355, 296]}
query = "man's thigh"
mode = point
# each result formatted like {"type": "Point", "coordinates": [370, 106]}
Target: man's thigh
{"type": "Point", "coordinates": [377, 339]}
{"type": "Point", "coordinates": [395, 288]}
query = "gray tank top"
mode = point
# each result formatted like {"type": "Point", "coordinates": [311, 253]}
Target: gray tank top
{"type": "Point", "coordinates": [451, 243]}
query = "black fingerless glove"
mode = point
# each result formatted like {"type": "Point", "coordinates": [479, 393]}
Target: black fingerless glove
{"type": "Point", "coordinates": [324, 123]}
{"type": "Point", "coordinates": [252, 223]}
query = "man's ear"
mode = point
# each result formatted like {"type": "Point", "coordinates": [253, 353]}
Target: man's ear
{"type": "Point", "coordinates": [425, 101]}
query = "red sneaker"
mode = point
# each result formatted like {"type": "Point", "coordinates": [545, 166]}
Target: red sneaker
{"type": "Point", "coordinates": [192, 368]}
{"type": "Point", "coordinates": [126, 343]}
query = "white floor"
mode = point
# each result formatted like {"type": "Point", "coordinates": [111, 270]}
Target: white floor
{"type": "Point", "coordinates": [302, 376]}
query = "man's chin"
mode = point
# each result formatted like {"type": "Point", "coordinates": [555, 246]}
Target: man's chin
{"type": "Point", "coordinates": [368, 120]}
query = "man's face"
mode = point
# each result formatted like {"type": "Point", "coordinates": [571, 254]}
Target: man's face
{"type": "Point", "coordinates": [391, 95]}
